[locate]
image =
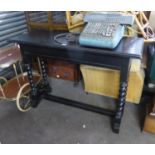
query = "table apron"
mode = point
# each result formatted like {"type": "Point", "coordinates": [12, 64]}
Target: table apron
{"type": "Point", "coordinates": [87, 58]}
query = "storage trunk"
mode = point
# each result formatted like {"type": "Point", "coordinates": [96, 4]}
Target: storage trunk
{"type": "Point", "coordinates": [106, 82]}
{"type": "Point", "coordinates": [63, 70]}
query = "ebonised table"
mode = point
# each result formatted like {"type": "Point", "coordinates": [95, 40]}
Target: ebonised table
{"type": "Point", "coordinates": [41, 44]}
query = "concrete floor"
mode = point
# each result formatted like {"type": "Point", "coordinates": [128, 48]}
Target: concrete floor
{"type": "Point", "coordinates": [56, 123]}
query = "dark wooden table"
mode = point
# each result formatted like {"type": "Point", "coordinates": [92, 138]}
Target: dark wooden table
{"type": "Point", "coordinates": [41, 44]}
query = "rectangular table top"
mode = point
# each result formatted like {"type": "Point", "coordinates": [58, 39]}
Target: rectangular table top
{"type": "Point", "coordinates": [128, 46]}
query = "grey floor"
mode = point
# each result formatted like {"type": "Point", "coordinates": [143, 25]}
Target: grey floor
{"type": "Point", "coordinates": [56, 123]}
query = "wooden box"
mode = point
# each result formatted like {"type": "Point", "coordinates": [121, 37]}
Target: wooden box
{"type": "Point", "coordinates": [63, 70]}
{"type": "Point", "coordinates": [149, 123]}
{"type": "Point", "coordinates": [106, 82]}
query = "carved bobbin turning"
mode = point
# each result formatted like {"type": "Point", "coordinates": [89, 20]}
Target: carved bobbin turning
{"type": "Point", "coordinates": [120, 107]}
{"type": "Point", "coordinates": [30, 78]}
{"type": "Point", "coordinates": [44, 75]}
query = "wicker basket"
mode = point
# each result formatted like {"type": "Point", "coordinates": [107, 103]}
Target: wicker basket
{"type": "Point", "coordinates": [105, 82]}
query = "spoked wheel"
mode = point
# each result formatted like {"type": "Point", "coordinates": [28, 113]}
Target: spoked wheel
{"type": "Point", "coordinates": [3, 79]}
{"type": "Point", "coordinates": [23, 99]}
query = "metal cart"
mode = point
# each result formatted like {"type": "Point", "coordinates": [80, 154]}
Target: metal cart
{"type": "Point", "coordinates": [17, 88]}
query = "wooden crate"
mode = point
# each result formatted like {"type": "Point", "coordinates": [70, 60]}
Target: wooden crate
{"type": "Point", "coordinates": [48, 20]}
{"type": "Point", "coordinates": [105, 81]}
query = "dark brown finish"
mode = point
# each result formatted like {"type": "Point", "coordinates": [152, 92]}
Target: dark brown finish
{"type": "Point", "coordinates": [63, 70]}
{"type": "Point", "coordinates": [42, 44]}
{"type": "Point", "coordinates": [8, 56]}
{"type": "Point", "coordinates": [45, 39]}
{"type": "Point", "coordinates": [11, 88]}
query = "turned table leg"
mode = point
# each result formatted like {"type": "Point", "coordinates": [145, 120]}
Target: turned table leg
{"type": "Point", "coordinates": [33, 92]}
{"type": "Point", "coordinates": [46, 84]}
{"type": "Point", "coordinates": [120, 107]}
{"type": "Point", "coordinates": [122, 95]}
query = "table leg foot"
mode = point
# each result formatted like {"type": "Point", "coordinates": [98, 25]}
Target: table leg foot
{"type": "Point", "coordinates": [35, 100]}
{"type": "Point", "coordinates": [116, 125]}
